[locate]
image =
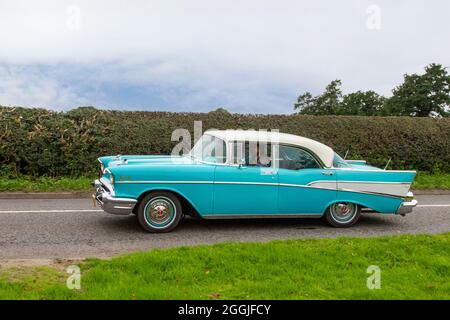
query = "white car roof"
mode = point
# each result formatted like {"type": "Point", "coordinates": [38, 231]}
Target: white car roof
{"type": "Point", "coordinates": [325, 153]}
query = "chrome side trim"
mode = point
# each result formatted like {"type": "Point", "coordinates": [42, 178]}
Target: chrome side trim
{"type": "Point", "coordinates": [258, 183]}
{"type": "Point", "coordinates": [358, 181]}
{"type": "Point", "coordinates": [304, 186]}
{"type": "Point", "coordinates": [247, 183]}
{"type": "Point", "coordinates": [225, 182]}
{"type": "Point", "coordinates": [371, 193]}
{"type": "Point", "coordinates": [258, 216]}
{"type": "Point", "coordinates": [164, 182]}
{"type": "Point", "coordinates": [374, 170]}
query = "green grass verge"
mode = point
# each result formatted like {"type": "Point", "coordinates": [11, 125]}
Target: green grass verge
{"type": "Point", "coordinates": [432, 181]}
{"type": "Point", "coordinates": [412, 267]}
{"type": "Point", "coordinates": [47, 184]}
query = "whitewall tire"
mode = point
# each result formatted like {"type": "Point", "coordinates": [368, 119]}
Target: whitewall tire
{"type": "Point", "coordinates": [342, 214]}
{"type": "Point", "coordinates": [159, 211]}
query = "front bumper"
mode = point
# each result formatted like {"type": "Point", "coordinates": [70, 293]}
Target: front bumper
{"type": "Point", "coordinates": [407, 206]}
{"type": "Point", "coordinates": [105, 198]}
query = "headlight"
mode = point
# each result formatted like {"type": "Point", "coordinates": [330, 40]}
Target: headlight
{"type": "Point", "coordinates": [102, 168]}
{"type": "Point", "coordinates": [111, 176]}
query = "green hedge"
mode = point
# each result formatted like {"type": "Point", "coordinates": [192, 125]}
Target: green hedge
{"type": "Point", "coordinates": [42, 142]}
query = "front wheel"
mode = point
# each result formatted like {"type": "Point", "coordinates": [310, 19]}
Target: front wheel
{"type": "Point", "coordinates": [159, 211]}
{"type": "Point", "coordinates": [342, 214]}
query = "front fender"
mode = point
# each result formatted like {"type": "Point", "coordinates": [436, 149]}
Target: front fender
{"type": "Point", "coordinates": [199, 196]}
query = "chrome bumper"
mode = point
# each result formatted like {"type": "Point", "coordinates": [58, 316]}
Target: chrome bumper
{"type": "Point", "coordinates": [104, 197]}
{"type": "Point", "coordinates": [407, 206]}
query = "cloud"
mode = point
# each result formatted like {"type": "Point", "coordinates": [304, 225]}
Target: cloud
{"type": "Point", "coordinates": [249, 56]}
{"type": "Point", "coordinates": [27, 86]}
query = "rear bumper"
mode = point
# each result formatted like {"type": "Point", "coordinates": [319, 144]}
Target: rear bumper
{"type": "Point", "coordinates": [104, 197]}
{"type": "Point", "coordinates": [407, 206]}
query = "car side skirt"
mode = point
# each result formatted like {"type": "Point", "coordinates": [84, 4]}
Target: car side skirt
{"type": "Point", "coordinates": [259, 216]}
{"type": "Point", "coordinates": [389, 192]}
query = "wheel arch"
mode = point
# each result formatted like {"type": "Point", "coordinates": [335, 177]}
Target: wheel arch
{"type": "Point", "coordinates": [186, 205]}
{"type": "Point", "coordinates": [357, 202]}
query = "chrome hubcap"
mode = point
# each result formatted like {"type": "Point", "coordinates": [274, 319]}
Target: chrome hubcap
{"type": "Point", "coordinates": [343, 211]}
{"type": "Point", "coordinates": [160, 212]}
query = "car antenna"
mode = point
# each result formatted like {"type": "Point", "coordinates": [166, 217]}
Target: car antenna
{"type": "Point", "coordinates": [346, 153]}
{"type": "Point", "coordinates": [388, 163]}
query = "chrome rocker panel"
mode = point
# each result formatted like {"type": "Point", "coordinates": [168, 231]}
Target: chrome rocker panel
{"type": "Point", "coordinates": [105, 198]}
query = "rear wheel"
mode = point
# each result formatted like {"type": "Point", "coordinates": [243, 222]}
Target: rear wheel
{"type": "Point", "coordinates": [342, 214]}
{"type": "Point", "coordinates": [159, 211]}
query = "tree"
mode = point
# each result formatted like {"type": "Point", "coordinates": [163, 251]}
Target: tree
{"type": "Point", "coordinates": [422, 95]}
{"type": "Point", "coordinates": [368, 103]}
{"type": "Point", "coordinates": [332, 102]}
{"type": "Point", "coordinates": [426, 95]}
{"type": "Point", "coordinates": [306, 103]}
{"type": "Point", "coordinates": [326, 103]}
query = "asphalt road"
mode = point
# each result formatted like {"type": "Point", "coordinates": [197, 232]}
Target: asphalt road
{"type": "Point", "coordinates": [71, 228]}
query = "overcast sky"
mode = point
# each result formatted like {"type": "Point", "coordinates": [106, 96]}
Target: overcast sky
{"type": "Point", "coordinates": [249, 56]}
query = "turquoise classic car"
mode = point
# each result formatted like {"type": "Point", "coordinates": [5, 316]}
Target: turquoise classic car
{"type": "Point", "coordinates": [249, 174]}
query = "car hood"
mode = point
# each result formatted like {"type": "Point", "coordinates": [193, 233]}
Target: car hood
{"type": "Point", "coordinates": [127, 160]}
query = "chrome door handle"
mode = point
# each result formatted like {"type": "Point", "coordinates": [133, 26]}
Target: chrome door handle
{"type": "Point", "coordinates": [327, 173]}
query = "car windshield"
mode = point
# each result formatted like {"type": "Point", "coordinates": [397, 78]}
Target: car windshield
{"type": "Point", "coordinates": [338, 162]}
{"type": "Point", "coordinates": [209, 149]}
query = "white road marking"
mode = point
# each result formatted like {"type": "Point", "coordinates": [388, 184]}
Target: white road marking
{"type": "Point", "coordinates": [433, 205]}
{"type": "Point", "coordinates": [49, 211]}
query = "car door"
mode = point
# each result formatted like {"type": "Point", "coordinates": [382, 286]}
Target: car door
{"type": "Point", "coordinates": [243, 188]}
{"type": "Point", "coordinates": [305, 187]}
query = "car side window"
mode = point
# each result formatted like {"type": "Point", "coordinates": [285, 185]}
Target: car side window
{"type": "Point", "coordinates": [215, 151]}
{"type": "Point", "coordinates": [295, 158]}
{"type": "Point", "coordinates": [338, 162]}
{"type": "Point", "coordinates": [210, 149]}
{"type": "Point", "coordinates": [252, 153]}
